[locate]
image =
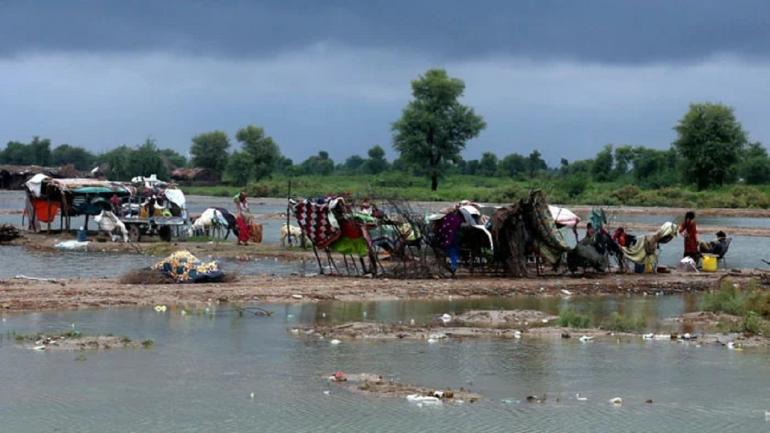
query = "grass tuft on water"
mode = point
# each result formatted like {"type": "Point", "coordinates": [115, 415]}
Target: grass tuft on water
{"type": "Point", "coordinates": [620, 323]}
{"type": "Point", "coordinates": [573, 319]}
{"type": "Point", "coordinates": [733, 300]}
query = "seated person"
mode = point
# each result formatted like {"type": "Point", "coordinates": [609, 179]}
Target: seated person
{"type": "Point", "coordinates": [716, 247]}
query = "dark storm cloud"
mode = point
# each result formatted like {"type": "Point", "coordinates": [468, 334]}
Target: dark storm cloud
{"type": "Point", "coordinates": [607, 31]}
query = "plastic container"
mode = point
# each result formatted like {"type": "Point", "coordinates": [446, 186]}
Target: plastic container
{"type": "Point", "coordinates": [709, 263]}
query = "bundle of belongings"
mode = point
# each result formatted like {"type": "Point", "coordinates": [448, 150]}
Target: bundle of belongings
{"type": "Point", "coordinates": [183, 267]}
{"type": "Point", "coordinates": [644, 249]}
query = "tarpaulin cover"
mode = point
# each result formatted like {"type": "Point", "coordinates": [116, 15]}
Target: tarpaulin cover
{"type": "Point", "coordinates": [563, 217]}
{"type": "Point", "coordinates": [45, 211]}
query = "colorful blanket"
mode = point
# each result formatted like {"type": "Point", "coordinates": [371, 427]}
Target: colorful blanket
{"type": "Point", "coordinates": [317, 222]}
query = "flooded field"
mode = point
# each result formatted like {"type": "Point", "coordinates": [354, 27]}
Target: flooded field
{"type": "Point", "coordinates": [202, 371]}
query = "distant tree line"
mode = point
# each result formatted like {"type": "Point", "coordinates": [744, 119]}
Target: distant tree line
{"type": "Point", "coordinates": [711, 149]}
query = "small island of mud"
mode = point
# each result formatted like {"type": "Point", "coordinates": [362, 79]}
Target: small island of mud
{"type": "Point", "coordinates": [74, 341]}
{"type": "Point", "coordinates": [376, 385]}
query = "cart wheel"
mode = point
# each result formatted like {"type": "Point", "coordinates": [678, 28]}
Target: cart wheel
{"type": "Point", "coordinates": [134, 234]}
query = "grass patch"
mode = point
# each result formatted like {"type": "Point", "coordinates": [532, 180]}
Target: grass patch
{"type": "Point", "coordinates": [148, 344]}
{"type": "Point", "coordinates": [733, 300]}
{"type": "Point", "coordinates": [573, 319]}
{"type": "Point", "coordinates": [620, 323]}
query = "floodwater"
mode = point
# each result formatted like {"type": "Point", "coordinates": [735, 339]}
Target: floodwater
{"type": "Point", "coordinates": [200, 373]}
{"type": "Point", "coordinates": [72, 264]}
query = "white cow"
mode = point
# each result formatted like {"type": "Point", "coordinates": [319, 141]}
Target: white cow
{"type": "Point", "coordinates": [213, 218]}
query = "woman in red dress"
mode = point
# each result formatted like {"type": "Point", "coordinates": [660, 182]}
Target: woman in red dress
{"type": "Point", "coordinates": [690, 233]}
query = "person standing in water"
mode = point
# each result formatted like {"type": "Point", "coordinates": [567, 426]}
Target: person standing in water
{"type": "Point", "coordinates": [689, 230]}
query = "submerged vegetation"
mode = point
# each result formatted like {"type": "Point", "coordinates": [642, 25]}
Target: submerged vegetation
{"type": "Point", "coordinates": [751, 303]}
{"type": "Point", "coordinates": [621, 323]}
{"type": "Point", "coordinates": [573, 319]}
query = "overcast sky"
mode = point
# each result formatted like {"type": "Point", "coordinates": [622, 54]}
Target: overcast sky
{"type": "Point", "coordinates": [565, 77]}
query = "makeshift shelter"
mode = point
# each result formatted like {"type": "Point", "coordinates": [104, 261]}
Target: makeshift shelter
{"type": "Point", "coordinates": [48, 197]}
{"type": "Point", "coordinates": [14, 176]}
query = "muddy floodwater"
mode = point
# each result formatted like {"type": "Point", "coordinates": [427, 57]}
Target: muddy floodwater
{"type": "Point", "coordinates": [200, 374]}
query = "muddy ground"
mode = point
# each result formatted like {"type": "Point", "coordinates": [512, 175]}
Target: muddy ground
{"type": "Point", "coordinates": [19, 294]}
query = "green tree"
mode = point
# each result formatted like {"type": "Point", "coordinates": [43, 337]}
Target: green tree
{"type": "Point", "coordinates": [40, 151]}
{"type": "Point", "coordinates": [240, 168]}
{"type": "Point", "coordinates": [353, 163]}
{"type": "Point", "coordinates": [624, 155]}
{"type": "Point", "coordinates": [79, 157]}
{"type": "Point", "coordinates": [209, 150]}
{"type": "Point", "coordinates": [319, 164]}
{"type": "Point", "coordinates": [147, 160]}
{"type": "Point", "coordinates": [37, 152]}
{"type": "Point", "coordinates": [14, 153]}
{"type": "Point", "coordinates": [487, 164]}
{"type": "Point", "coordinates": [535, 163]}
{"type": "Point", "coordinates": [602, 167]}
{"type": "Point", "coordinates": [434, 127]}
{"type": "Point", "coordinates": [173, 158]}
{"type": "Point", "coordinates": [755, 165]}
{"type": "Point", "coordinates": [514, 166]}
{"type": "Point", "coordinates": [710, 142]}
{"type": "Point", "coordinates": [118, 163]}
{"type": "Point", "coordinates": [472, 167]}
{"type": "Point", "coordinates": [263, 150]}
{"type": "Point", "coordinates": [653, 168]}
{"type": "Point", "coordinates": [376, 163]}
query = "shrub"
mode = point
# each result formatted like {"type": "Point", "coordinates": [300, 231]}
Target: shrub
{"type": "Point", "coordinates": [626, 194]}
{"type": "Point", "coordinates": [621, 323]}
{"type": "Point", "coordinates": [573, 319]}
{"type": "Point", "coordinates": [726, 300]}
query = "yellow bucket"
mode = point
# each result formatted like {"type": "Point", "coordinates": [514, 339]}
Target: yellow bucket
{"type": "Point", "coordinates": [709, 263]}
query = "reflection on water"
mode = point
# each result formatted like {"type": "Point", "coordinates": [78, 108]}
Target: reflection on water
{"type": "Point", "coordinates": [201, 371]}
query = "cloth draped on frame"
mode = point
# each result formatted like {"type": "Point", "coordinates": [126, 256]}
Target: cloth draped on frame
{"type": "Point", "coordinates": [317, 222]}
{"type": "Point", "coordinates": [645, 248]}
